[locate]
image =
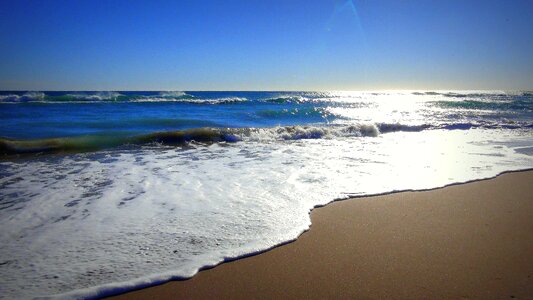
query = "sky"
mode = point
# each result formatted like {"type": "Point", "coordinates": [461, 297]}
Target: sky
{"type": "Point", "coordinates": [266, 45]}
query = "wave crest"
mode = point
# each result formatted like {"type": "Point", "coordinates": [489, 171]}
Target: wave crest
{"type": "Point", "coordinates": [28, 96]}
{"type": "Point", "coordinates": [284, 99]}
{"type": "Point", "coordinates": [175, 95]}
{"type": "Point", "coordinates": [97, 97]}
{"type": "Point", "coordinates": [205, 135]}
{"type": "Point", "coordinates": [210, 135]}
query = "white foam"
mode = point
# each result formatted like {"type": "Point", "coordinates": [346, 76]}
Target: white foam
{"type": "Point", "coordinates": [173, 94]}
{"type": "Point", "coordinates": [85, 224]}
{"type": "Point", "coordinates": [305, 132]}
{"type": "Point", "coordinates": [33, 96]}
{"type": "Point", "coordinates": [96, 96]}
{"type": "Point", "coordinates": [223, 100]}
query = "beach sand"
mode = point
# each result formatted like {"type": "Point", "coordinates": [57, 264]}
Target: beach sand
{"type": "Point", "coordinates": [468, 241]}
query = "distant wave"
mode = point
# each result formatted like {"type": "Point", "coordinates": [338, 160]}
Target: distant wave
{"type": "Point", "coordinates": [70, 97]}
{"type": "Point", "coordinates": [210, 135]}
{"type": "Point", "coordinates": [174, 94]}
{"type": "Point", "coordinates": [177, 96]}
{"type": "Point", "coordinates": [225, 100]}
{"type": "Point", "coordinates": [305, 97]}
{"type": "Point", "coordinates": [487, 94]}
{"type": "Point", "coordinates": [282, 99]}
{"type": "Point", "coordinates": [96, 97]}
{"type": "Point", "coordinates": [29, 96]}
{"type": "Point", "coordinates": [518, 104]}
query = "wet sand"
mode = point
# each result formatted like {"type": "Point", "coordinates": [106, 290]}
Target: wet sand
{"type": "Point", "coordinates": [468, 241]}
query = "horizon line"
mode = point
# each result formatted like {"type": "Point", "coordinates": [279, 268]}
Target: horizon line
{"type": "Point", "coordinates": [264, 91]}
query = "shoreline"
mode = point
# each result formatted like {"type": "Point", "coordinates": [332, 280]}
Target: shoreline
{"type": "Point", "coordinates": [272, 281]}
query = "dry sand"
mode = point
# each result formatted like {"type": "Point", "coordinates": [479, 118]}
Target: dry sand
{"type": "Point", "coordinates": [469, 241]}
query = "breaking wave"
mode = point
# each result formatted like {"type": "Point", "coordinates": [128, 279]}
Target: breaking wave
{"type": "Point", "coordinates": [283, 99]}
{"type": "Point", "coordinates": [474, 94]}
{"type": "Point", "coordinates": [518, 104]}
{"type": "Point", "coordinates": [206, 135]}
{"type": "Point", "coordinates": [210, 135]}
{"type": "Point", "coordinates": [96, 97]}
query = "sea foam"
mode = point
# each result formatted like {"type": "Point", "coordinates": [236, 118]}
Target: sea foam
{"type": "Point", "coordinates": [94, 224]}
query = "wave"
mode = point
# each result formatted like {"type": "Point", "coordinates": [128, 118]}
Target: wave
{"type": "Point", "coordinates": [178, 96]}
{"type": "Point", "coordinates": [210, 135]}
{"type": "Point", "coordinates": [98, 96]}
{"type": "Point", "coordinates": [426, 93]}
{"type": "Point", "coordinates": [69, 97]}
{"type": "Point", "coordinates": [221, 97]}
{"type": "Point", "coordinates": [192, 100]}
{"type": "Point", "coordinates": [29, 96]}
{"type": "Point", "coordinates": [304, 98]}
{"type": "Point", "coordinates": [492, 95]}
{"type": "Point", "coordinates": [284, 99]}
{"type": "Point", "coordinates": [518, 104]}
{"type": "Point", "coordinates": [223, 100]}
{"type": "Point", "coordinates": [205, 135]}
{"type": "Point", "coordinates": [306, 132]}
{"type": "Point", "coordinates": [110, 96]}
{"type": "Point", "coordinates": [175, 95]}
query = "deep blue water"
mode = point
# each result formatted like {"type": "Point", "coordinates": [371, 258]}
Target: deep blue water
{"type": "Point", "coordinates": [95, 120]}
{"type": "Point", "coordinates": [56, 114]}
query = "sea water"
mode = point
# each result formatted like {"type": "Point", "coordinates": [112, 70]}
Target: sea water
{"type": "Point", "coordinates": [104, 192]}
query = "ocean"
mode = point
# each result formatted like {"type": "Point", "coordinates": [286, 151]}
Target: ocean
{"type": "Point", "coordinates": [105, 192]}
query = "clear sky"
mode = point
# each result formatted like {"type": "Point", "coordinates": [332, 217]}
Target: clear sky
{"type": "Point", "coordinates": [266, 45]}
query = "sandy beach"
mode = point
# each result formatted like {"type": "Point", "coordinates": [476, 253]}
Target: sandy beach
{"type": "Point", "coordinates": [467, 241]}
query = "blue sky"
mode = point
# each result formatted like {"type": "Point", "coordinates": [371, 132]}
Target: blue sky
{"type": "Point", "coordinates": [266, 45]}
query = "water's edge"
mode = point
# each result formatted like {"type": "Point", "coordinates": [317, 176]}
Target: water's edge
{"type": "Point", "coordinates": [110, 290]}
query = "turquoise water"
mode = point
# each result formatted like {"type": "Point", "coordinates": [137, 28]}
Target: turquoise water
{"type": "Point", "coordinates": [104, 192]}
